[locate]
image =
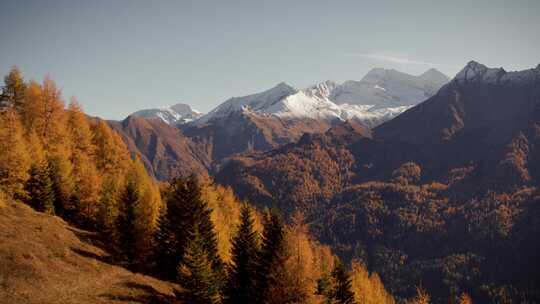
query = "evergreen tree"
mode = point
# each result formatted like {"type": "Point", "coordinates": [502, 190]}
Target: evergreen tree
{"type": "Point", "coordinates": [13, 90]}
{"type": "Point", "coordinates": [125, 223]}
{"type": "Point", "coordinates": [271, 254]}
{"type": "Point", "coordinates": [196, 274]}
{"type": "Point", "coordinates": [39, 189]}
{"type": "Point", "coordinates": [186, 212]}
{"type": "Point", "coordinates": [342, 289]}
{"type": "Point", "coordinates": [241, 286]}
{"type": "Point", "coordinates": [324, 288]}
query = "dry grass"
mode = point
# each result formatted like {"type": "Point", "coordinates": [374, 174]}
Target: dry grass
{"type": "Point", "coordinates": [44, 260]}
{"type": "Point", "coordinates": [2, 200]}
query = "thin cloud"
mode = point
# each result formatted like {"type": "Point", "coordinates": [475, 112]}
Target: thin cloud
{"type": "Point", "coordinates": [399, 60]}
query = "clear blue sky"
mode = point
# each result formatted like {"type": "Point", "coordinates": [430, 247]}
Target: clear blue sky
{"type": "Point", "coordinates": [121, 56]}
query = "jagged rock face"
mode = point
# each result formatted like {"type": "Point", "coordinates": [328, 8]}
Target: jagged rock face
{"type": "Point", "coordinates": [164, 150]}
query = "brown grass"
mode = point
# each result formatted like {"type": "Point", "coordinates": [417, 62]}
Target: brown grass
{"type": "Point", "coordinates": [44, 260]}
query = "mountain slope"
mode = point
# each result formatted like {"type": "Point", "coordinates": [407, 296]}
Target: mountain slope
{"type": "Point", "coordinates": [245, 132]}
{"type": "Point", "coordinates": [164, 150]}
{"type": "Point", "coordinates": [44, 260]}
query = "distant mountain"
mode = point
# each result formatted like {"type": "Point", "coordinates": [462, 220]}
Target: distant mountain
{"type": "Point", "coordinates": [379, 96]}
{"type": "Point", "coordinates": [282, 114]}
{"type": "Point", "coordinates": [177, 114]}
{"type": "Point", "coordinates": [389, 88]}
{"type": "Point", "coordinates": [452, 183]}
{"type": "Point", "coordinates": [164, 150]}
{"type": "Point", "coordinates": [275, 117]}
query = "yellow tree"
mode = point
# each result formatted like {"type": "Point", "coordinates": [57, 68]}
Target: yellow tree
{"type": "Point", "coordinates": [14, 158]}
{"type": "Point", "coordinates": [367, 287]}
{"type": "Point", "coordinates": [35, 148]}
{"type": "Point", "coordinates": [147, 206]}
{"type": "Point", "coordinates": [79, 129]}
{"type": "Point", "coordinates": [422, 297]}
{"type": "Point", "coordinates": [111, 154]}
{"type": "Point", "coordinates": [32, 109]}
{"type": "Point", "coordinates": [464, 299]}
{"type": "Point", "coordinates": [43, 113]}
{"type": "Point", "coordinates": [87, 184]}
{"type": "Point", "coordinates": [53, 118]}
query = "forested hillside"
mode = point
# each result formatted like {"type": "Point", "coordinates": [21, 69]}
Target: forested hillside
{"type": "Point", "coordinates": [191, 232]}
{"type": "Point", "coordinates": [445, 195]}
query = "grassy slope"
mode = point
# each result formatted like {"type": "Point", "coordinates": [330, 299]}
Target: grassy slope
{"type": "Point", "coordinates": [44, 260]}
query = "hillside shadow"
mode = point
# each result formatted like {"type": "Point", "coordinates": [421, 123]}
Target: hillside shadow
{"type": "Point", "coordinates": [149, 295]}
{"type": "Point", "coordinates": [91, 255]}
{"type": "Point", "coordinates": [91, 238]}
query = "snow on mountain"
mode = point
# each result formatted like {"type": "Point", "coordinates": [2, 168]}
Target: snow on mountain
{"type": "Point", "coordinates": [177, 114]}
{"type": "Point", "coordinates": [255, 102]}
{"type": "Point", "coordinates": [477, 72]}
{"type": "Point", "coordinates": [389, 88]}
{"type": "Point", "coordinates": [379, 96]}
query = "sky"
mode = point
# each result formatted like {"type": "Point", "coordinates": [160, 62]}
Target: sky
{"type": "Point", "coordinates": [118, 56]}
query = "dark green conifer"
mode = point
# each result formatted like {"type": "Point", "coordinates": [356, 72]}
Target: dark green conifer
{"type": "Point", "coordinates": [324, 288]}
{"type": "Point", "coordinates": [241, 285]}
{"type": "Point", "coordinates": [125, 223]}
{"type": "Point", "coordinates": [39, 189]}
{"type": "Point", "coordinates": [196, 275]}
{"type": "Point", "coordinates": [271, 253]}
{"type": "Point", "coordinates": [341, 292]}
{"type": "Point", "coordinates": [186, 212]}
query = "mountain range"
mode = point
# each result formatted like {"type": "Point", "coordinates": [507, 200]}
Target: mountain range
{"type": "Point", "coordinates": [379, 96]}
{"type": "Point", "coordinates": [270, 119]}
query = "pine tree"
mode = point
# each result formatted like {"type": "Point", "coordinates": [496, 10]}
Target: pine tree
{"type": "Point", "coordinates": [196, 274]}
{"type": "Point", "coordinates": [271, 254]}
{"type": "Point", "coordinates": [39, 189]}
{"type": "Point", "coordinates": [241, 284]}
{"type": "Point", "coordinates": [324, 288]}
{"type": "Point", "coordinates": [185, 212]}
{"type": "Point", "coordinates": [125, 223]}
{"type": "Point", "coordinates": [342, 290]}
{"type": "Point", "coordinates": [13, 90]}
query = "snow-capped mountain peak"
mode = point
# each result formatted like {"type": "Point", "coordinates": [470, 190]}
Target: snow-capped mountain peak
{"type": "Point", "coordinates": [379, 96]}
{"type": "Point", "coordinates": [179, 113]}
{"type": "Point", "coordinates": [255, 102]}
{"type": "Point", "coordinates": [477, 72]}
